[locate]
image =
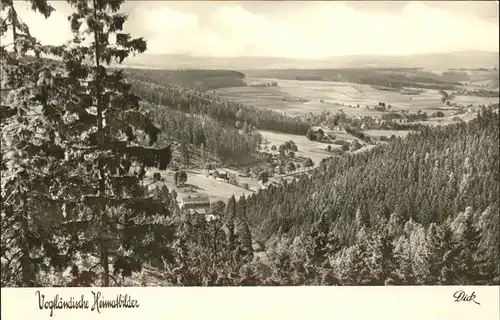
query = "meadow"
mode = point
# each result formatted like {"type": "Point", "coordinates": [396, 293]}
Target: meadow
{"type": "Point", "coordinates": [306, 148]}
{"type": "Point", "coordinates": [198, 182]}
{"type": "Point", "coordinates": [295, 97]}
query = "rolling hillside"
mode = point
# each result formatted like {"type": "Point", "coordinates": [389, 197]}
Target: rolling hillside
{"type": "Point", "coordinates": [448, 60]}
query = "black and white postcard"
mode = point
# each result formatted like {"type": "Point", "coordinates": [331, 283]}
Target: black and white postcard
{"type": "Point", "coordinates": [249, 159]}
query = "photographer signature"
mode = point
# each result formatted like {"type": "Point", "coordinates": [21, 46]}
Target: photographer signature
{"type": "Point", "coordinates": [462, 296]}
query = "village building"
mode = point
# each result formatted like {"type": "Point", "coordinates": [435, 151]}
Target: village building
{"type": "Point", "coordinates": [197, 203]}
{"type": "Point", "coordinates": [268, 184]}
{"type": "Point", "coordinates": [400, 120]}
{"type": "Point", "coordinates": [219, 175]}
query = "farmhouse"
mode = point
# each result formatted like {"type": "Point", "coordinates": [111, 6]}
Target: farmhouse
{"type": "Point", "coordinates": [219, 175]}
{"type": "Point", "coordinates": [400, 120]}
{"type": "Point", "coordinates": [211, 217]}
{"type": "Point", "coordinates": [198, 203]}
{"type": "Point", "coordinates": [254, 173]}
{"type": "Point", "coordinates": [268, 184]}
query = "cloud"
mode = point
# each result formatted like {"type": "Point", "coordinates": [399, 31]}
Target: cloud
{"type": "Point", "coordinates": [317, 29]}
{"type": "Point", "coordinates": [328, 29]}
{"type": "Point", "coordinates": [53, 31]}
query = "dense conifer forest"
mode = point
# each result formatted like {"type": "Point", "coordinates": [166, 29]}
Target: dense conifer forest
{"type": "Point", "coordinates": [200, 80]}
{"type": "Point", "coordinates": [226, 142]}
{"type": "Point", "coordinates": [431, 197]}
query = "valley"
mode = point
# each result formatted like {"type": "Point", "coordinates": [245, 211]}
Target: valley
{"type": "Point", "coordinates": [322, 169]}
{"type": "Point", "coordinates": [295, 99]}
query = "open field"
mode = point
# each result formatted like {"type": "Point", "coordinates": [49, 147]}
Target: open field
{"type": "Point", "coordinates": [387, 133]}
{"type": "Point", "coordinates": [466, 100]}
{"type": "Point", "coordinates": [335, 95]}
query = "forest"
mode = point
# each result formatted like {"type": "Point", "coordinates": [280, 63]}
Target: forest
{"type": "Point", "coordinates": [158, 91]}
{"type": "Point", "coordinates": [75, 210]}
{"type": "Point", "coordinates": [201, 80]}
{"type": "Point", "coordinates": [427, 201]}
{"type": "Point", "coordinates": [225, 142]}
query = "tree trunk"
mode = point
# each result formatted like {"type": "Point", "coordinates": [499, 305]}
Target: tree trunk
{"type": "Point", "coordinates": [215, 245]}
{"type": "Point", "coordinates": [102, 186]}
{"type": "Point", "coordinates": [14, 38]}
{"type": "Point", "coordinates": [14, 28]}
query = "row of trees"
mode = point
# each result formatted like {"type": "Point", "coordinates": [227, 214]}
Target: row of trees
{"type": "Point", "coordinates": [183, 99]}
{"type": "Point", "coordinates": [264, 85]}
{"type": "Point", "coordinates": [484, 93]}
{"type": "Point", "coordinates": [400, 81]}
{"type": "Point", "coordinates": [195, 79]}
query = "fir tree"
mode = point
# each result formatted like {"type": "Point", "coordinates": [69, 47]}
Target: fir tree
{"type": "Point", "coordinates": [103, 133]}
{"type": "Point", "coordinates": [30, 155]}
{"type": "Point", "coordinates": [468, 241]}
{"type": "Point", "coordinates": [230, 217]}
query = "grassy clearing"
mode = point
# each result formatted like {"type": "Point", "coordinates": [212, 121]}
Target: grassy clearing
{"type": "Point", "coordinates": [306, 148]}
{"type": "Point", "coordinates": [198, 182]}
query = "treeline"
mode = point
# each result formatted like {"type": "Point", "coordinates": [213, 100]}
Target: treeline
{"type": "Point", "coordinates": [481, 93]}
{"type": "Point", "coordinates": [418, 211]}
{"type": "Point", "coordinates": [227, 143]}
{"type": "Point", "coordinates": [264, 85]}
{"type": "Point", "coordinates": [186, 100]}
{"type": "Point", "coordinates": [399, 81]}
{"type": "Point", "coordinates": [382, 77]}
{"type": "Point", "coordinates": [194, 79]}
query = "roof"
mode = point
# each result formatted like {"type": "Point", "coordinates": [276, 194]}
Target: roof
{"type": "Point", "coordinates": [199, 210]}
{"type": "Point", "coordinates": [195, 199]}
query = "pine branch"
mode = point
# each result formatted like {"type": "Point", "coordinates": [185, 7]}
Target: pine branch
{"type": "Point", "coordinates": [116, 282]}
{"type": "Point", "coordinates": [97, 264]}
{"type": "Point", "coordinates": [12, 238]}
{"type": "Point", "coordinates": [14, 274]}
{"type": "Point", "coordinates": [13, 257]}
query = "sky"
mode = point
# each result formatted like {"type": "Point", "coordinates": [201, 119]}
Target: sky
{"type": "Point", "coordinates": [295, 29]}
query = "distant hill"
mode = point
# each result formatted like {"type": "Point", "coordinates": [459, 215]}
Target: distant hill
{"type": "Point", "coordinates": [190, 78]}
{"type": "Point", "coordinates": [432, 61]}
